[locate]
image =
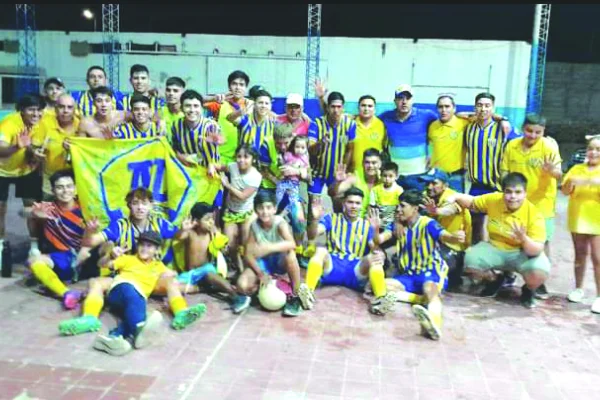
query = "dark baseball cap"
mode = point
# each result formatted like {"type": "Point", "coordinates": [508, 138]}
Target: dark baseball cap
{"type": "Point", "coordinates": [253, 92]}
{"type": "Point", "coordinates": [435, 174]}
{"type": "Point", "coordinates": [150, 237]}
{"type": "Point", "coordinates": [55, 81]}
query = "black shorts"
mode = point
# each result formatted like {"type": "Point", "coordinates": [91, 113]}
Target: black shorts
{"type": "Point", "coordinates": [26, 186]}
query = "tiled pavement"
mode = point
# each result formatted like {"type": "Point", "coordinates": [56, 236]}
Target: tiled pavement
{"type": "Point", "coordinates": [491, 349]}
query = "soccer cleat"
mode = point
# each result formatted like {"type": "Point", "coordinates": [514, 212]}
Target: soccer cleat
{"type": "Point", "coordinates": [76, 326]}
{"type": "Point", "coordinates": [307, 297]}
{"type": "Point", "coordinates": [383, 305]}
{"type": "Point", "coordinates": [576, 296]}
{"type": "Point", "coordinates": [113, 345]}
{"type": "Point", "coordinates": [293, 307]}
{"type": "Point", "coordinates": [71, 299]}
{"type": "Point", "coordinates": [186, 317]}
{"type": "Point", "coordinates": [240, 303]}
{"type": "Point", "coordinates": [527, 297]}
{"type": "Point", "coordinates": [426, 321]}
{"type": "Point", "coordinates": [147, 332]}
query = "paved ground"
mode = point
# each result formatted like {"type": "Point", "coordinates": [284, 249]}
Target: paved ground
{"type": "Point", "coordinates": [491, 349]}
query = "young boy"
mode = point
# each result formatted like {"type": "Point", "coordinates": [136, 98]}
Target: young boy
{"type": "Point", "coordinates": [424, 272]}
{"type": "Point", "coordinates": [384, 196]}
{"type": "Point", "coordinates": [270, 250]}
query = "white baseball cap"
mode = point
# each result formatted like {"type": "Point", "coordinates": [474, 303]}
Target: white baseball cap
{"type": "Point", "coordinates": [294, 98]}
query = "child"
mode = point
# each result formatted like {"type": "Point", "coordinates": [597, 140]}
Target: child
{"type": "Point", "coordinates": [384, 195]}
{"type": "Point", "coordinates": [294, 166]}
{"type": "Point", "coordinates": [244, 184]}
{"type": "Point", "coordinates": [582, 185]}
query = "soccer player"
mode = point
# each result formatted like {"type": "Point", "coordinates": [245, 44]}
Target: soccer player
{"type": "Point", "coordinates": [139, 77]}
{"type": "Point", "coordinates": [53, 89]}
{"type": "Point", "coordinates": [95, 78]}
{"type": "Point", "coordinates": [142, 126]}
{"type": "Point", "coordinates": [582, 185]}
{"type": "Point", "coordinates": [105, 119]}
{"type": "Point", "coordinates": [424, 273]}
{"type": "Point", "coordinates": [172, 110]}
{"type": "Point", "coordinates": [254, 123]}
{"type": "Point", "coordinates": [270, 250]}
{"type": "Point", "coordinates": [538, 159]}
{"type": "Point", "coordinates": [517, 231]}
{"type": "Point", "coordinates": [224, 105]}
{"type": "Point", "coordinates": [446, 136]}
{"type": "Point", "coordinates": [17, 166]}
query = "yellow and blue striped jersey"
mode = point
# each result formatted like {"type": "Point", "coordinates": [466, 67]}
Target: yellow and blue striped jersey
{"type": "Point", "coordinates": [253, 133]}
{"type": "Point", "coordinates": [129, 131]}
{"type": "Point", "coordinates": [85, 103]}
{"type": "Point", "coordinates": [485, 147]}
{"type": "Point", "coordinates": [335, 139]}
{"type": "Point", "coordinates": [347, 239]}
{"type": "Point", "coordinates": [188, 140]}
{"type": "Point", "coordinates": [418, 250]}
{"type": "Point", "coordinates": [155, 103]}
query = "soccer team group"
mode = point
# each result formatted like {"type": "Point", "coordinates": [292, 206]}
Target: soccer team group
{"type": "Point", "coordinates": [421, 202]}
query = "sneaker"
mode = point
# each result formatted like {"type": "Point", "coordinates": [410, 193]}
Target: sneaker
{"type": "Point", "coordinates": [113, 345]}
{"type": "Point", "coordinates": [492, 288]}
{"type": "Point", "coordinates": [240, 303]}
{"type": "Point", "coordinates": [509, 280]}
{"type": "Point", "coordinates": [188, 316]}
{"type": "Point", "coordinates": [596, 306]}
{"type": "Point", "coordinates": [76, 326]}
{"type": "Point", "coordinates": [148, 331]}
{"type": "Point", "coordinates": [542, 292]}
{"type": "Point", "coordinates": [426, 322]}
{"type": "Point", "coordinates": [293, 307]}
{"type": "Point", "coordinates": [71, 299]}
{"type": "Point", "coordinates": [576, 296]}
{"type": "Point", "coordinates": [527, 297]}
{"type": "Point", "coordinates": [383, 305]}
{"type": "Point", "coordinates": [307, 297]}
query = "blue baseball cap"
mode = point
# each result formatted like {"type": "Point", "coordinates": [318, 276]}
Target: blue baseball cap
{"type": "Point", "coordinates": [435, 174]}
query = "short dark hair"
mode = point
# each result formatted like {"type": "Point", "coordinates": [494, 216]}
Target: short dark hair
{"type": "Point", "coordinates": [372, 152]}
{"type": "Point", "coordinates": [367, 97]}
{"type": "Point", "coordinates": [514, 179]}
{"type": "Point", "coordinates": [199, 210]}
{"type": "Point", "coordinates": [412, 197]}
{"type": "Point", "coordinates": [135, 68]}
{"type": "Point", "coordinates": [101, 90]}
{"type": "Point", "coordinates": [93, 67]}
{"type": "Point", "coordinates": [262, 93]}
{"type": "Point", "coordinates": [63, 173]}
{"type": "Point", "coordinates": [189, 95]}
{"type": "Point", "coordinates": [175, 81]}
{"type": "Point", "coordinates": [30, 100]}
{"type": "Point", "coordinates": [485, 95]}
{"type": "Point", "coordinates": [249, 150]}
{"type": "Point", "coordinates": [447, 96]}
{"type": "Point", "coordinates": [236, 75]}
{"type": "Point", "coordinates": [140, 193]}
{"type": "Point", "coordinates": [264, 197]}
{"type": "Point", "coordinates": [353, 191]}
{"type": "Point", "coordinates": [139, 98]}
{"type": "Point", "coordinates": [390, 166]}
{"type": "Point", "coordinates": [534, 119]}
{"type": "Point", "coordinates": [333, 96]}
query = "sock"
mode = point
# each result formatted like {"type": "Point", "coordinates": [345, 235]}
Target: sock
{"type": "Point", "coordinates": [1, 247]}
{"type": "Point", "coordinates": [313, 274]}
{"type": "Point", "coordinates": [435, 310]}
{"type": "Point", "coordinates": [299, 250]}
{"type": "Point", "coordinates": [407, 297]}
{"type": "Point", "coordinates": [93, 305]}
{"type": "Point", "coordinates": [33, 244]}
{"type": "Point", "coordinates": [377, 279]}
{"type": "Point", "coordinates": [177, 304]}
{"type": "Point", "coordinates": [49, 279]}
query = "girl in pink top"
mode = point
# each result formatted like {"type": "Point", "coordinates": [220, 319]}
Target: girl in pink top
{"type": "Point", "coordinates": [294, 166]}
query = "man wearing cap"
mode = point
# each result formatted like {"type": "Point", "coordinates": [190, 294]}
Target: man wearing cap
{"type": "Point", "coordinates": [406, 128]}
{"type": "Point", "coordinates": [294, 115]}
{"type": "Point", "coordinates": [453, 218]}
{"type": "Point", "coordinates": [53, 88]}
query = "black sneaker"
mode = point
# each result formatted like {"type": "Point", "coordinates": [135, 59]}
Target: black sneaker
{"type": "Point", "coordinates": [492, 288]}
{"type": "Point", "coordinates": [527, 297]}
{"type": "Point", "coordinates": [293, 307]}
{"type": "Point", "coordinates": [542, 292]}
{"type": "Point", "coordinates": [509, 279]}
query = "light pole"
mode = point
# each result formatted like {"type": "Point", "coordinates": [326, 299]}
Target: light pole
{"type": "Point", "coordinates": [89, 15]}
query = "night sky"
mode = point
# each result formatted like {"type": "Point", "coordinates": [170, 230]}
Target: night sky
{"type": "Point", "coordinates": [574, 29]}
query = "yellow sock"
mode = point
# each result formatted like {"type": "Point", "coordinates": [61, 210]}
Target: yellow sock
{"type": "Point", "coordinates": [407, 297]}
{"type": "Point", "coordinates": [377, 279]}
{"type": "Point", "coordinates": [177, 304]}
{"type": "Point", "coordinates": [299, 250]}
{"type": "Point", "coordinates": [44, 274]}
{"type": "Point", "coordinates": [314, 272]}
{"type": "Point", "coordinates": [93, 305]}
{"type": "Point", "coordinates": [435, 310]}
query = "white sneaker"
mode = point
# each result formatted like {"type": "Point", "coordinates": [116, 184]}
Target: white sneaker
{"type": "Point", "coordinates": [576, 296]}
{"type": "Point", "coordinates": [307, 297]}
{"type": "Point", "coordinates": [383, 305]}
{"type": "Point", "coordinates": [148, 332]}
{"type": "Point", "coordinates": [596, 306]}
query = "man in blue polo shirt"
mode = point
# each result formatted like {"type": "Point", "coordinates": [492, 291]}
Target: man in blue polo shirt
{"type": "Point", "coordinates": [407, 138]}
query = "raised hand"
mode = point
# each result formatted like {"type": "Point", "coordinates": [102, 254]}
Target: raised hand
{"type": "Point", "coordinates": [213, 134]}
{"type": "Point", "coordinates": [188, 224]}
{"type": "Point", "coordinates": [429, 206]}
{"type": "Point", "coordinates": [107, 131]}
{"type": "Point", "coordinates": [461, 236]}
{"type": "Point", "coordinates": [119, 251]}
{"type": "Point", "coordinates": [24, 138]}
{"type": "Point", "coordinates": [518, 232]}
{"type": "Point", "coordinates": [320, 89]}
{"type": "Point", "coordinates": [93, 225]}
{"type": "Point", "coordinates": [549, 164]}
{"type": "Point", "coordinates": [340, 173]}
{"type": "Point", "coordinates": [374, 219]}
{"type": "Point", "coordinates": [318, 210]}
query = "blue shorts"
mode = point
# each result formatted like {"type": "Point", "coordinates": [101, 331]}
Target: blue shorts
{"type": "Point", "coordinates": [273, 264]}
{"type": "Point", "coordinates": [345, 273]}
{"type": "Point", "coordinates": [412, 182]}
{"type": "Point", "coordinates": [196, 275]}
{"type": "Point", "coordinates": [414, 283]}
{"type": "Point", "coordinates": [477, 189]}
{"type": "Point", "coordinates": [456, 181]}
{"type": "Point", "coordinates": [63, 261]}
{"type": "Point", "coordinates": [318, 183]}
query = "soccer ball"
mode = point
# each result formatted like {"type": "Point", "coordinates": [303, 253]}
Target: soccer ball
{"type": "Point", "coordinates": [271, 297]}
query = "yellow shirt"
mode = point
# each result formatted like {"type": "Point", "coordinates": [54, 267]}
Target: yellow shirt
{"type": "Point", "coordinates": [54, 136]}
{"type": "Point", "coordinates": [447, 142]}
{"type": "Point", "coordinates": [169, 118]}
{"type": "Point", "coordinates": [541, 186]}
{"type": "Point", "coordinates": [386, 200]}
{"type": "Point", "coordinates": [500, 221]}
{"type": "Point", "coordinates": [584, 201]}
{"type": "Point", "coordinates": [17, 164]}
{"type": "Point", "coordinates": [367, 137]}
{"type": "Point", "coordinates": [143, 276]}
{"type": "Point", "coordinates": [361, 183]}
{"type": "Point", "coordinates": [456, 222]}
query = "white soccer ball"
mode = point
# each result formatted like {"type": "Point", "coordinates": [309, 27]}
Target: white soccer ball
{"type": "Point", "coordinates": [271, 297]}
